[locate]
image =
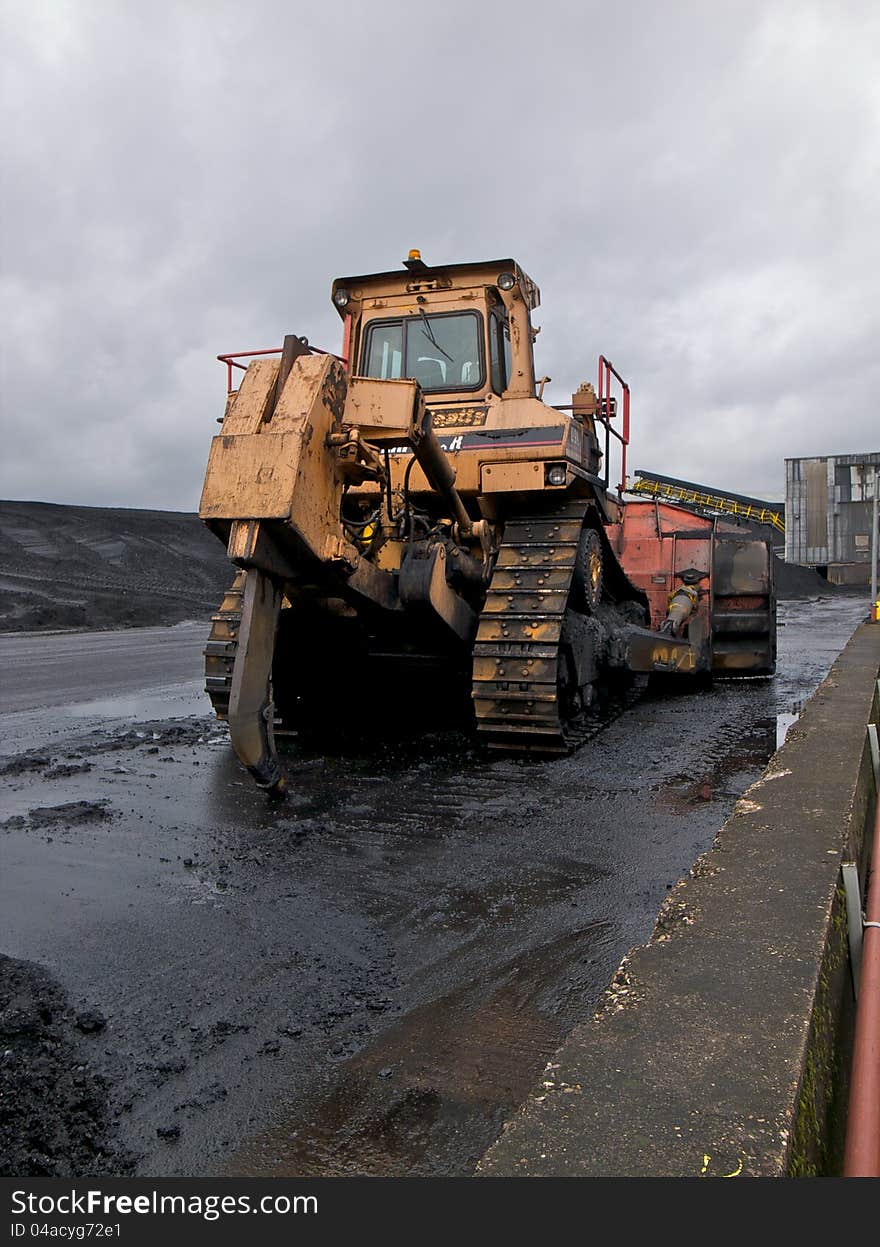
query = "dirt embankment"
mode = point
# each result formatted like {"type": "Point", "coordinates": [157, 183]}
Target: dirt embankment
{"type": "Point", "coordinates": [101, 567]}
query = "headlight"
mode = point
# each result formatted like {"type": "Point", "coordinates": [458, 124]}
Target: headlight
{"type": "Point", "coordinates": [556, 474]}
{"type": "Point", "coordinates": [506, 281]}
{"type": "Point", "coordinates": [340, 298]}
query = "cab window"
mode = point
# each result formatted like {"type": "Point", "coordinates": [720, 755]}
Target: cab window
{"type": "Point", "coordinates": [441, 352]}
{"type": "Point", "coordinates": [499, 352]}
{"type": "Point", "coordinates": [385, 351]}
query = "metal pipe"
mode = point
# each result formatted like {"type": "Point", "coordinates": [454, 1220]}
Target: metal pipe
{"type": "Point", "coordinates": [433, 461]}
{"type": "Point", "coordinates": [862, 1152]}
{"type": "Point", "coordinates": [874, 540]}
{"type": "Point", "coordinates": [682, 605]}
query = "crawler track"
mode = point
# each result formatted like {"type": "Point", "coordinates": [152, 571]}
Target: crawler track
{"type": "Point", "coordinates": [518, 650]}
{"type": "Point", "coordinates": [221, 646]}
{"type": "Point", "coordinates": [519, 655]}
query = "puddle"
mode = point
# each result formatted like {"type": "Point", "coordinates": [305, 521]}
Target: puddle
{"type": "Point", "coordinates": [783, 723]}
{"type": "Point", "coordinates": [201, 891]}
{"type": "Point", "coordinates": [48, 726]}
{"type": "Point", "coordinates": [431, 1094]}
{"type": "Point", "coordinates": [176, 701]}
{"type": "Point", "coordinates": [467, 909]}
{"type": "Point", "coordinates": [731, 761]}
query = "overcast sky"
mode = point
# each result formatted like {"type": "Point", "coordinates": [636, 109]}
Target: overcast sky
{"type": "Point", "coordinates": [694, 186]}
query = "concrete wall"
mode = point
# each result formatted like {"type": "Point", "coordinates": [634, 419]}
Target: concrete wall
{"type": "Point", "coordinates": [722, 1046]}
{"type": "Point", "coordinates": [849, 573]}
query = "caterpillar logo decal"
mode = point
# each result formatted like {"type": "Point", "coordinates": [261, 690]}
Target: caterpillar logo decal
{"type": "Point", "coordinates": [459, 417]}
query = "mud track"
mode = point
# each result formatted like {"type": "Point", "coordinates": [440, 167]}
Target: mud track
{"type": "Point", "coordinates": [369, 978]}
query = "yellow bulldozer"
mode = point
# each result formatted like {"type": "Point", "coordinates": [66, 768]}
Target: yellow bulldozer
{"type": "Point", "coordinates": [412, 523]}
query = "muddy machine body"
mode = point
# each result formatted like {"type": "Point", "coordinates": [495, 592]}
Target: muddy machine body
{"type": "Point", "coordinates": [413, 525]}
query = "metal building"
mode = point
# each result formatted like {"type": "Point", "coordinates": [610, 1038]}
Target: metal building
{"type": "Point", "coordinates": [828, 509]}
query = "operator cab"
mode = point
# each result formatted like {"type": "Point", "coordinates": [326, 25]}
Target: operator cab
{"type": "Point", "coordinates": [451, 328]}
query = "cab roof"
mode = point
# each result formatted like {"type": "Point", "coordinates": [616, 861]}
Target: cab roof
{"type": "Point", "coordinates": [416, 275]}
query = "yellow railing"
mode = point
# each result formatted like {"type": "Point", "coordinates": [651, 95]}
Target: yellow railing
{"type": "Point", "coordinates": [716, 502]}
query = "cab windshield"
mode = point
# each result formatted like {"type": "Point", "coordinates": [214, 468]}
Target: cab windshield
{"type": "Point", "coordinates": [442, 352]}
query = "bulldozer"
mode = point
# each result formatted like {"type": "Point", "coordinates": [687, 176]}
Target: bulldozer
{"type": "Point", "coordinates": [411, 523]}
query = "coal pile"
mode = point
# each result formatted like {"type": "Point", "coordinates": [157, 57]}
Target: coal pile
{"type": "Point", "coordinates": [54, 1119]}
{"type": "Point", "coordinates": [103, 567]}
{"type": "Point", "coordinates": [794, 581]}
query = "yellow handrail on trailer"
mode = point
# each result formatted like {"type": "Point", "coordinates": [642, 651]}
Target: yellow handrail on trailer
{"type": "Point", "coordinates": [716, 502]}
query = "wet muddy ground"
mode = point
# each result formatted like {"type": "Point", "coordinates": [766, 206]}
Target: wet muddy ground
{"type": "Point", "coordinates": [365, 980]}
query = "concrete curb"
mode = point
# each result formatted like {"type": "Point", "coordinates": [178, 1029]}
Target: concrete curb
{"type": "Point", "coordinates": [721, 1046]}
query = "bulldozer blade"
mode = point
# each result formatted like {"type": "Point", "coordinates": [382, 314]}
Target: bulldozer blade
{"type": "Point", "coordinates": [251, 712]}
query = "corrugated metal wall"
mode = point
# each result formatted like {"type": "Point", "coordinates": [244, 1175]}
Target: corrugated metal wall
{"type": "Point", "coordinates": [828, 505]}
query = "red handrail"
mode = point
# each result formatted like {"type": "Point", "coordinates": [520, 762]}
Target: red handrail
{"type": "Point", "coordinates": [606, 372]}
{"type": "Point", "coordinates": [229, 359]}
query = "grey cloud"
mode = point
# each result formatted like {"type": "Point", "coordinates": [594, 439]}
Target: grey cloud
{"type": "Point", "coordinates": [693, 186]}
